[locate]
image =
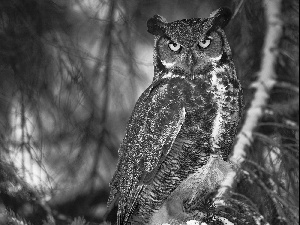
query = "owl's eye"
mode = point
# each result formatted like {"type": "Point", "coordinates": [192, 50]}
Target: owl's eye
{"type": "Point", "coordinates": [206, 42]}
{"type": "Point", "coordinates": [174, 46]}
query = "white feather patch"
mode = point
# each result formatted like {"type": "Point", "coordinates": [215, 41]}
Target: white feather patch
{"type": "Point", "coordinates": [218, 90]}
{"type": "Point", "coordinates": [170, 75]}
{"type": "Point", "coordinates": [167, 64]}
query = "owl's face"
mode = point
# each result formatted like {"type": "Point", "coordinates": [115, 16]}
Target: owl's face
{"type": "Point", "coordinates": [177, 55]}
{"type": "Point", "coordinates": [191, 46]}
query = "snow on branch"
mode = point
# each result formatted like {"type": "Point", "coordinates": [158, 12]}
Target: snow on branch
{"type": "Point", "coordinates": [264, 84]}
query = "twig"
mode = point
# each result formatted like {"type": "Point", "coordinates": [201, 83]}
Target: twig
{"type": "Point", "coordinates": [264, 84]}
{"type": "Point", "coordinates": [288, 86]}
{"type": "Point", "coordinates": [106, 85]}
{"type": "Point", "coordinates": [238, 8]}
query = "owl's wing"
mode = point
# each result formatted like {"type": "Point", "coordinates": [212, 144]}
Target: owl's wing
{"type": "Point", "coordinates": [162, 123]}
{"type": "Point", "coordinates": [155, 122]}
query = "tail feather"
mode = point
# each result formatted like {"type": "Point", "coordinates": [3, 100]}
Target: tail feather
{"type": "Point", "coordinates": [126, 210]}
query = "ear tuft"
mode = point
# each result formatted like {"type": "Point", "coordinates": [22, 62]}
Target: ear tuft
{"type": "Point", "coordinates": [221, 17]}
{"type": "Point", "coordinates": [156, 25]}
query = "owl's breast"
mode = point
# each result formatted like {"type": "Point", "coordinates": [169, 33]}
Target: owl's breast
{"type": "Point", "coordinates": [181, 87]}
{"type": "Point", "coordinates": [198, 96]}
{"type": "Point", "coordinates": [205, 94]}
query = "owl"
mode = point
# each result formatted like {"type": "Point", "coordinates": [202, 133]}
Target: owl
{"type": "Point", "coordinates": [189, 112]}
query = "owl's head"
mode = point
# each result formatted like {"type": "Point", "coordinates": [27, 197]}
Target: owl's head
{"type": "Point", "coordinates": [190, 47]}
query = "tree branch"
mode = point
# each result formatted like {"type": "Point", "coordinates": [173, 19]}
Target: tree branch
{"type": "Point", "coordinates": [264, 84]}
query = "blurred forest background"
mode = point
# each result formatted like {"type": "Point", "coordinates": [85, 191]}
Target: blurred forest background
{"type": "Point", "coordinates": [70, 74]}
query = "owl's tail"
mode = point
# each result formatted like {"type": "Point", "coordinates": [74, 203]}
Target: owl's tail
{"type": "Point", "coordinates": [125, 213]}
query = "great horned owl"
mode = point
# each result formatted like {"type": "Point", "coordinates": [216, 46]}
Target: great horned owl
{"type": "Point", "coordinates": [190, 111]}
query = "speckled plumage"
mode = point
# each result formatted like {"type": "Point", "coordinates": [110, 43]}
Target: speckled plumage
{"type": "Point", "coordinates": [190, 111]}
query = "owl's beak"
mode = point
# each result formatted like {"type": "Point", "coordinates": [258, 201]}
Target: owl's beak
{"type": "Point", "coordinates": [191, 62]}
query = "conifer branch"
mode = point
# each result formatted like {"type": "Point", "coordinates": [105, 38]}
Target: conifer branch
{"type": "Point", "coordinates": [264, 84]}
